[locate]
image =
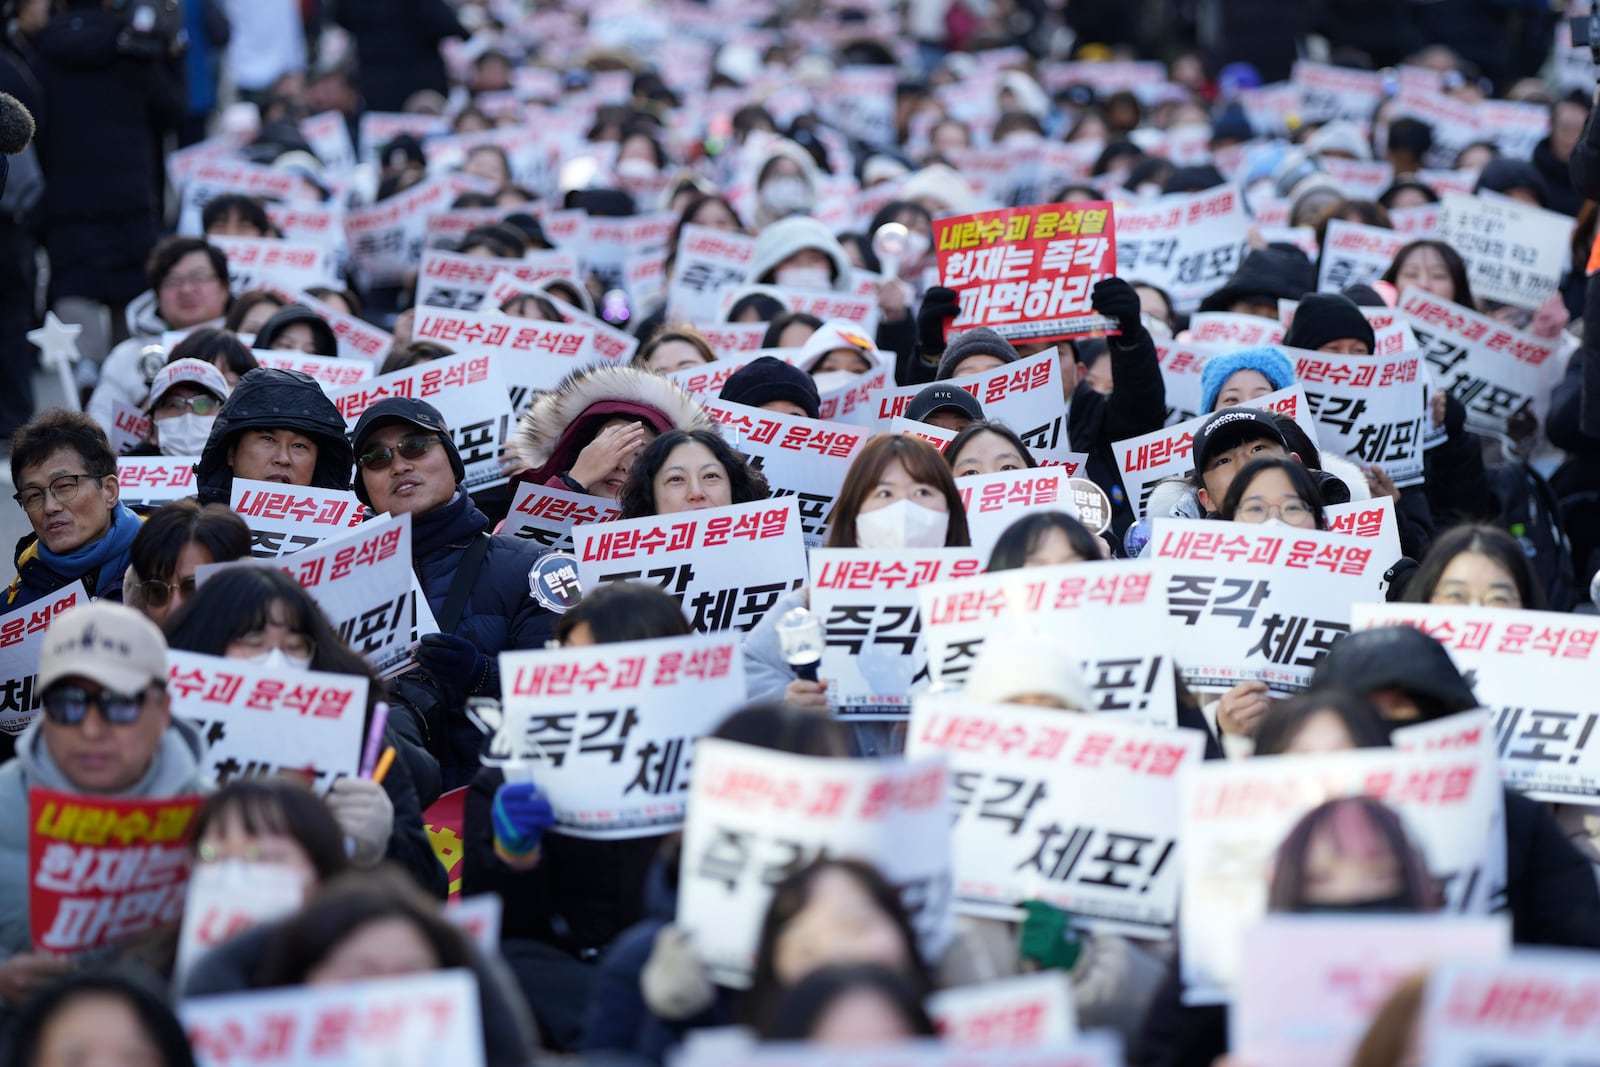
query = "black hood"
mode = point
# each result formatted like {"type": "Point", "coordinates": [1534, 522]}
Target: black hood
{"type": "Point", "coordinates": [327, 341]}
{"type": "Point", "coordinates": [1400, 657]}
{"type": "Point", "coordinates": [1280, 271]}
{"type": "Point", "coordinates": [286, 399]}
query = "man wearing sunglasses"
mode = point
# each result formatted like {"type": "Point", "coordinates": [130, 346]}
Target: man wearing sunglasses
{"type": "Point", "coordinates": [407, 464]}
{"type": "Point", "coordinates": [276, 426]}
{"type": "Point", "coordinates": [66, 479]}
{"type": "Point", "coordinates": [106, 730]}
{"type": "Point", "coordinates": [185, 396]}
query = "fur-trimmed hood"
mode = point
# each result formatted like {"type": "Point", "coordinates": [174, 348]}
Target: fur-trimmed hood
{"type": "Point", "coordinates": [548, 431]}
{"type": "Point", "coordinates": [1347, 472]}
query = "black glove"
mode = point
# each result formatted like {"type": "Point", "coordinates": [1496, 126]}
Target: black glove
{"type": "Point", "coordinates": [939, 306]}
{"type": "Point", "coordinates": [1455, 416]}
{"type": "Point", "coordinates": [1116, 299]}
{"type": "Point", "coordinates": [455, 661]}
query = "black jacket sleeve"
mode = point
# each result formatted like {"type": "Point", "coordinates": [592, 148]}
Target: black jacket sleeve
{"type": "Point", "coordinates": [1138, 401]}
{"type": "Point", "coordinates": [1550, 886]}
{"type": "Point", "coordinates": [1176, 1035]}
{"type": "Point", "coordinates": [1456, 482]}
{"type": "Point", "coordinates": [408, 839]}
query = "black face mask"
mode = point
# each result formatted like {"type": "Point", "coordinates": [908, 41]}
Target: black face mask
{"type": "Point", "coordinates": [1399, 903]}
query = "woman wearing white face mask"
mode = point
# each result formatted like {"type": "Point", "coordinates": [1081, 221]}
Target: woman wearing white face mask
{"type": "Point", "coordinates": [786, 183]}
{"type": "Point", "coordinates": [898, 494]}
{"type": "Point", "coordinates": [185, 397]}
{"type": "Point", "coordinates": [262, 615]}
{"type": "Point", "coordinates": [799, 253]}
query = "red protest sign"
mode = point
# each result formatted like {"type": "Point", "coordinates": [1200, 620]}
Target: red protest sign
{"type": "Point", "coordinates": [1027, 272]}
{"type": "Point", "coordinates": [101, 871]}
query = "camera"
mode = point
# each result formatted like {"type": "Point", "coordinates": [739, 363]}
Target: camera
{"type": "Point", "coordinates": [151, 29]}
{"type": "Point", "coordinates": [1586, 32]}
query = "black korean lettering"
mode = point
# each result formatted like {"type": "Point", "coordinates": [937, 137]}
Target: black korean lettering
{"type": "Point", "coordinates": [712, 610]}
{"type": "Point", "coordinates": [1124, 684]}
{"type": "Point", "coordinates": [1009, 801]}
{"type": "Point", "coordinates": [599, 724]}
{"type": "Point", "coordinates": [663, 768]}
{"type": "Point", "coordinates": [758, 600]}
{"type": "Point", "coordinates": [1546, 736]}
{"type": "Point", "coordinates": [1231, 600]}
{"type": "Point", "coordinates": [479, 442]}
{"type": "Point", "coordinates": [1124, 854]}
{"type": "Point", "coordinates": [18, 694]}
{"type": "Point", "coordinates": [1058, 852]}
{"type": "Point", "coordinates": [1187, 595]}
{"type": "Point", "coordinates": [551, 735]}
{"type": "Point", "coordinates": [724, 861]}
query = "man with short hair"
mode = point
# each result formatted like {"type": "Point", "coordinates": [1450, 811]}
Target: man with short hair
{"type": "Point", "coordinates": [276, 426]}
{"type": "Point", "coordinates": [105, 730]}
{"type": "Point", "coordinates": [1225, 443]}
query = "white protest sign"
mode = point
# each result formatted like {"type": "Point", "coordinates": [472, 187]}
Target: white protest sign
{"type": "Point", "coordinates": [150, 481]}
{"type": "Point", "coordinates": [547, 514]}
{"type": "Point", "coordinates": [21, 642]}
{"type": "Point", "coordinates": [608, 243]}
{"type": "Point", "coordinates": [1360, 179]}
{"type": "Point", "coordinates": [733, 1048]}
{"type": "Point", "coordinates": [994, 501]}
{"type": "Point", "coordinates": [310, 223]}
{"type": "Point", "coordinates": [806, 458]}
{"type": "Point", "coordinates": [1107, 615]}
{"type": "Point", "coordinates": [1373, 519]}
{"type": "Point", "coordinates": [1454, 122]}
{"type": "Point", "coordinates": [610, 344]}
{"type": "Point", "coordinates": [447, 229]}
{"type": "Point", "coordinates": [400, 1022]}
{"type": "Point", "coordinates": [1026, 1011]}
{"type": "Point", "coordinates": [288, 518]}
{"type": "Point", "coordinates": [328, 134]}
{"type": "Point", "coordinates": [1336, 93]}
{"type": "Point", "coordinates": [453, 280]}
{"type": "Point", "coordinates": [1515, 126]}
{"type": "Point", "coordinates": [468, 391]}
{"type": "Point", "coordinates": [377, 128]}
{"type": "Point", "coordinates": [1181, 366]}
{"type": "Point", "coordinates": [1309, 985]}
{"type": "Point", "coordinates": [255, 262]}
{"type": "Point", "coordinates": [1186, 243]}
{"type": "Point", "coordinates": [1515, 253]}
{"type": "Point", "coordinates": [330, 372]}
{"type": "Point", "coordinates": [1251, 602]}
{"type": "Point", "coordinates": [1236, 814]}
{"type": "Point", "coordinates": [859, 100]}
{"type": "Point", "coordinates": [757, 815]}
{"type": "Point", "coordinates": [1354, 254]}
{"type": "Point", "coordinates": [725, 566]}
{"type": "Point", "coordinates": [1536, 671]}
{"type": "Point", "coordinates": [934, 435]}
{"type": "Point", "coordinates": [532, 355]}
{"type": "Point", "coordinates": [704, 382]}
{"type": "Point", "coordinates": [210, 178]}
{"type": "Point", "coordinates": [1415, 223]}
{"type": "Point", "coordinates": [478, 917]}
{"type": "Point", "coordinates": [227, 898]}
{"type": "Point", "coordinates": [1079, 811]}
{"type": "Point", "coordinates": [358, 339]}
{"type": "Point", "coordinates": [129, 427]}
{"type": "Point", "coordinates": [610, 729]}
{"type": "Point", "coordinates": [852, 401]}
{"type": "Point", "coordinates": [709, 264]}
{"type": "Point", "coordinates": [1233, 330]}
{"type": "Point", "coordinates": [1025, 395]}
{"type": "Point", "coordinates": [1532, 1009]}
{"type": "Point", "coordinates": [735, 340]}
{"type": "Point", "coordinates": [260, 720]}
{"type": "Point", "coordinates": [1493, 369]}
{"type": "Point", "coordinates": [386, 239]}
{"type": "Point", "coordinates": [1370, 409]}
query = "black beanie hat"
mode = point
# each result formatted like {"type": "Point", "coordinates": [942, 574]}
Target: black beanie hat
{"type": "Point", "coordinates": [1325, 317]}
{"type": "Point", "coordinates": [981, 341]}
{"type": "Point", "coordinates": [767, 379]}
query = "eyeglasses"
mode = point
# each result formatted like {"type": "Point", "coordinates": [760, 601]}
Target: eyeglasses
{"type": "Point", "coordinates": [158, 593]}
{"type": "Point", "coordinates": [63, 489]}
{"type": "Point", "coordinates": [68, 705]}
{"type": "Point", "coordinates": [173, 282]}
{"type": "Point", "coordinates": [412, 446]}
{"type": "Point", "coordinates": [1290, 511]}
{"type": "Point", "coordinates": [171, 407]}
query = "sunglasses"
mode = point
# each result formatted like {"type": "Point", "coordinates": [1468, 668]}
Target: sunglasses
{"type": "Point", "coordinates": [158, 593]}
{"type": "Point", "coordinates": [412, 446]}
{"type": "Point", "coordinates": [69, 705]}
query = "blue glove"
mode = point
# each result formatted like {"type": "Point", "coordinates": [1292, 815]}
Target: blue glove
{"type": "Point", "coordinates": [456, 661]}
{"type": "Point", "coordinates": [521, 814]}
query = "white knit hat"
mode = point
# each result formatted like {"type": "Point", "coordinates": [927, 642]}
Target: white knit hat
{"type": "Point", "coordinates": [1019, 665]}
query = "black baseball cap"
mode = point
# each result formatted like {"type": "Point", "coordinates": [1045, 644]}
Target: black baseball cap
{"type": "Point", "coordinates": [943, 397]}
{"type": "Point", "coordinates": [1232, 427]}
{"type": "Point", "coordinates": [402, 409]}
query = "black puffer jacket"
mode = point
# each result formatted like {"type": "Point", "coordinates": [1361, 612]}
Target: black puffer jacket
{"type": "Point", "coordinates": [1136, 405]}
{"type": "Point", "coordinates": [282, 399]}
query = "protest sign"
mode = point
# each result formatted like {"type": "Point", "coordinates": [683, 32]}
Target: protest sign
{"type": "Point", "coordinates": [1233, 330]}
{"type": "Point", "coordinates": [1236, 813]}
{"type": "Point", "coordinates": [1515, 253]}
{"type": "Point", "coordinates": [377, 128]}
{"type": "Point", "coordinates": [1078, 811]}
{"type": "Point", "coordinates": [448, 229]}
{"type": "Point", "coordinates": [386, 239]}
{"type": "Point", "coordinates": [259, 720]}
{"type": "Point", "coordinates": [1109, 616]}
{"type": "Point", "coordinates": [285, 519]}
{"type": "Point", "coordinates": [1330, 93]}
{"type": "Point", "coordinates": [1533, 1008]}
{"type": "Point", "coordinates": [1536, 671]}
{"type": "Point", "coordinates": [724, 566]}
{"type": "Point", "coordinates": [757, 815]}
{"type": "Point", "coordinates": [610, 729]}
{"type": "Point", "coordinates": [479, 918]}
{"type": "Point", "coordinates": [709, 264]}
{"type": "Point", "coordinates": [101, 870]}
{"type": "Point", "coordinates": [1025, 1011]}
{"type": "Point", "coordinates": [310, 224]}
{"type": "Point", "coordinates": [150, 481]}
{"type": "Point", "coordinates": [226, 898]}
{"type": "Point", "coordinates": [859, 101]}
{"type": "Point", "coordinates": [800, 457]}
{"type": "Point", "coordinates": [358, 339]}
{"type": "Point", "coordinates": [330, 372]}
{"type": "Point", "coordinates": [210, 178]}
{"type": "Point", "coordinates": [532, 355]}
{"type": "Point", "coordinates": [1028, 272]}
{"type": "Point", "coordinates": [1025, 395]}
{"type": "Point", "coordinates": [453, 280]}
{"type": "Point", "coordinates": [21, 641]}
{"type": "Point", "coordinates": [994, 501]}
{"type": "Point", "coordinates": [1360, 179]}
{"type": "Point", "coordinates": [610, 344]}
{"type": "Point", "coordinates": [1310, 985]}
{"type": "Point", "coordinates": [607, 244]}
{"type": "Point", "coordinates": [828, 304]}
{"type": "Point", "coordinates": [1494, 370]}
{"type": "Point", "coordinates": [258, 262]}
{"type": "Point", "coordinates": [705, 381]}
{"type": "Point", "coordinates": [1355, 254]}
{"type": "Point", "coordinates": [1169, 452]}
{"type": "Point", "coordinates": [1454, 122]}
{"type": "Point", "coordinates": [1415, 223]}
{"type": "Point", "coordinates": [874, 659]}
{"type": "Point", "coordinates": [547, 514]}
{"type": "Point", "coordinates": [851, 401]}
{"type": "Point", "coordinates": [1373, 519]}
{"type": "Point", "coordinates": [1187, 243]}
{"type": "Point", "coordinates": [402, 1022]}
{"type": "Point", "coordinates": [468, 391]}
{"type": "Point", "coordinates": [722, 1048]}
{"type": "Point", "coordinates": [1368, 408]}
{"type": "Point", "coordinates": [129, 427]}
{"type": "Point", "coordinates": [328, 134]}
{"type": "Point", "coordinates": [1259, 603]}
{"type": "Point", "coordinates": [1181, 365]}
{"type": "Point", "coordinates": [934, 435]}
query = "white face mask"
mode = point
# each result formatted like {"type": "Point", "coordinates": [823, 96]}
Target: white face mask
{"type": "Point", "coordinates": [277, 658]}
{"type": "Point", "coordinates": [834, 380]}
{"type": "Point", "coordinates": [785, 195]}
{"type": "Point", "coordinates": [804, 278]}
{"type": "Point", "coordinates": [636, 170]}
{"type": "Point", "coordinates": [902, 525]}
{"type": "Point", "coordinates": [185, 435]}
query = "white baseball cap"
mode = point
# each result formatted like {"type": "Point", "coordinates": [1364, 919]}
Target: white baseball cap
{"type": "Point", "coordinates": [195, 372]}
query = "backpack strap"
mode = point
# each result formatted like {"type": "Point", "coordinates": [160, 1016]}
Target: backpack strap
{"type": "Point", "coordinates": [455, 602]}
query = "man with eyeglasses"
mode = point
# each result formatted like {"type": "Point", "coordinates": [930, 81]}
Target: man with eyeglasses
{"type": "Point", "coordinates": [66, 479]}
{"type": "Point", "coordinates": [406, 463]}
{"type": "Point", "coordinates": [185, 397]}
{"type": "Point", "coordinates": [106, 730]}
{"type": "Point", "coordinates": [276, 426]}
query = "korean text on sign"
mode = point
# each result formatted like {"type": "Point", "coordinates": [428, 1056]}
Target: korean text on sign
{"type": "Point", "coordinates": [545, 514]}
{"type": "Point", "coordinates": [21, 641]}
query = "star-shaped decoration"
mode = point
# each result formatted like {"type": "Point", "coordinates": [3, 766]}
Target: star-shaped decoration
{"type": "Point", "coordinates": [57, 342]}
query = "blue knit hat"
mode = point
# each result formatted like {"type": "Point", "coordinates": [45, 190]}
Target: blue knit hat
{"type": "Point", "coordinates": [1271, 363]}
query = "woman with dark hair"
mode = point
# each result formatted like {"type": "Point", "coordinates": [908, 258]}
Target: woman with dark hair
{"type": "Point", "coordinates": [99, 1018]}
{"type": "Point", "coordinates": [689, 470]}
{"type": "Point", "coordinates": [346, 301]}
{"type": "Point", "coordinates": [755, 307]}
{"type": "Point", "coordinates": [1478, 565]}
{"type": "Point", "coordinates": [985, 448]}
{"type": "Point", "coordinates": [1350, 854]}
{"type": "Point", "coordinates": [1434, 267]}
{"type": "Point", "coordinates": [1320, 720]}
{"type": "Point", "coordinates": [404, 357]}
{"type": "Point", "coordinates": [621, 611]}
{"type": "Point", "coordinates": [1045, 539]}
{"type": "Point", "coordinates": [296, 328]}
{"type": "Point", "coordinates": [251, 310]}
{"type": "Point", "coordinates": [275, 821]}
{"type": "Point", "coordinates": [1275, 488]}
{"type": "Point", "coordinates": [263, 615]}
{"type": "Point", "coordinates": [848, 1007]}
{"type": "Point", "coordinates": [175, 541]}
{"type": "Point", "coordinates": [531, 306]}
{"type": "Point", "coordinates": [220, 348]}
{"type": "Point", "coordinates": [675, 349]}
{"type": "Point", "coordinates": [790, 329]}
